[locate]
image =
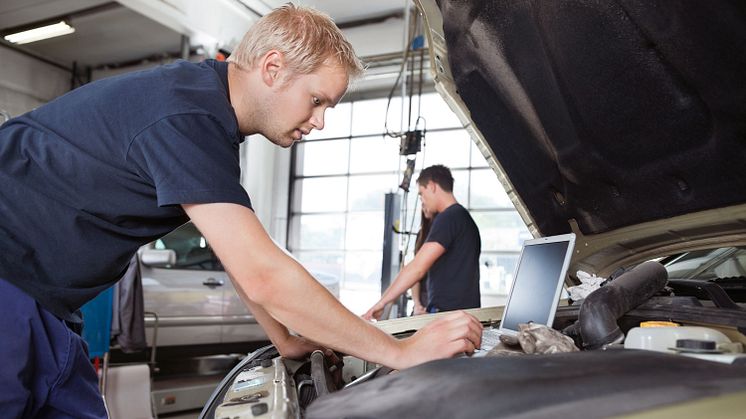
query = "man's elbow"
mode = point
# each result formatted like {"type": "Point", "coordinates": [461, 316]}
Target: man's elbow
{"type": "Point", "coordinates": [262, 288]}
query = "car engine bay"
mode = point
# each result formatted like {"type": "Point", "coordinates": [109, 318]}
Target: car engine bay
{"type": "Point", "coordinates": [696, 351]}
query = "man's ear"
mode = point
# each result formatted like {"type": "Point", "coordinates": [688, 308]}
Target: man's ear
{"type": "Point", "coordinates": [432, 186]}
{"type": "Point", "coordinates": [272, 66]}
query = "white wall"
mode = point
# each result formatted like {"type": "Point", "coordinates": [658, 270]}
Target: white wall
{"type": "Point", "coordinates": [26, 83]}
{"type": "Point", "coordinates": [378, 38]}
{"type": "Point", "coordinates": [210, 24]}
{"type": "Point", "coordinates": [265, 174]}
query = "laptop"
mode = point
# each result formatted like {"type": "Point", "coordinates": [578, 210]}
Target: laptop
{"type": "Point", "coordinates": [537, 284]}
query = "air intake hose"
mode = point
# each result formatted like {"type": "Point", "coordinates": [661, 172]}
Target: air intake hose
{"type": "Point", "coordinates": [601, 309]}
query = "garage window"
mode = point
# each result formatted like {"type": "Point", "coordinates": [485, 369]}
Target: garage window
{"type": "Point", "coordinates": [339, 179]}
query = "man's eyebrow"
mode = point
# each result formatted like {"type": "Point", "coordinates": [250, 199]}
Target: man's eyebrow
{"type": "Point", "coordinates": [325, 99]}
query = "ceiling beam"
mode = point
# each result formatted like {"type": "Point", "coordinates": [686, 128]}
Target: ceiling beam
{"type": "Point", "coordinates": [27, 52]}
{"type": "Point", "coordinates": [370, 20]}
{"type": "Point", "coordinates": [208, 24]}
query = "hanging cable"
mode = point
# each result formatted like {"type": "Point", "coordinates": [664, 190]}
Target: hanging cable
{"type": "Point", "coordinates": [413, 138]}
{"type": "Point", "coordinates": [394, 134]}
{"type": "Point", "coordinates": [419, 90]}
{"type": "Point", "coordinates": [405, 58]}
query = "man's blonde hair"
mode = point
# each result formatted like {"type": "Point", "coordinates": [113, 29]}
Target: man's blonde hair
{"type": "Point", "coordinates": [306, 37]}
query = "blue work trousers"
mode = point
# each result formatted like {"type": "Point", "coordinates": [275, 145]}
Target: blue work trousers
{"type": "Point", "coordinates": [44, 367]}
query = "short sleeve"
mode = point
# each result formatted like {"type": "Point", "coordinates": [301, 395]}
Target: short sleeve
{"type": "Point", "coordinates": [190, 159]}
{"type": "Point", "coordinates": [443, 230]}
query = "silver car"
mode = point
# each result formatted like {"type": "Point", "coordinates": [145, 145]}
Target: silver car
{"type": "Point", "coordinates": [190, 297]}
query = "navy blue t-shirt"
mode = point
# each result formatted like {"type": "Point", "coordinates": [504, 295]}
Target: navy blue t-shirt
{"type": "Point", "coordinates": [94, 174]}
{"type": "Point", "coordinates": [453, 280]}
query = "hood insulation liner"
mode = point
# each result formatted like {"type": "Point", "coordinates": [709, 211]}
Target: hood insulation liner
{"type": "Point", "coordinates": [611, 113]}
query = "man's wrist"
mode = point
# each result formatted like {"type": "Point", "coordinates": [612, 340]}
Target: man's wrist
{"type": "Point", "coordinates": [394, 353]}
{"type": "Point", "coordinates": [284, 343]}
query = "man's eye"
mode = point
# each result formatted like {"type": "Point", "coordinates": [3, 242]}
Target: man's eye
{"type": "Point", "coordinates": [316, 101]}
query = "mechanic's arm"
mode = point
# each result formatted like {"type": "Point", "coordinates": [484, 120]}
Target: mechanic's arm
{"type": "Point", "coordinates": [412, 273]}
{"type": "Point", "coordinates": [267, 277]}
{"type": "Point", "coordinates": [419, 307]}
{"type": "Point", "coordinates": [289, 346]}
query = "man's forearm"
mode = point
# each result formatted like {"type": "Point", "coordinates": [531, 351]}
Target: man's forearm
{"type": "Point", "coordinates": [302, 304]}
{"type": "Point", "coordinates": [275, 330]}
{"type": "Point", "coordinates": [268, 277]}
{"type": "Point", "coordinates": [405, 280]}
{"type": "Point", "coordinates": [414, 271]}
{"type": "Point", "coordinates": [416, 291]}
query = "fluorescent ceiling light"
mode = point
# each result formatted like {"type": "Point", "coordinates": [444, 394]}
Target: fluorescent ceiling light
{"type": "Point", "coordinates": [37, 34]}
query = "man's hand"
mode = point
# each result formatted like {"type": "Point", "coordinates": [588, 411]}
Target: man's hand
{"type": "Point", "coordinates": [412, 273]}
{"type": "Point", "coordinates": [285, 294]}
{"type": "Point", "coordinates": [419, 309]}
{"type": "Point", "coordinates": [445, 337]}
{"type": "Point", "coordinates": [297, 347]}
{"type": "Point", "coordinates": [375, 312]}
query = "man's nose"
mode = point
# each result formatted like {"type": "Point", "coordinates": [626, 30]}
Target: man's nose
{"type": "Point", "coordinates": [317, 119]}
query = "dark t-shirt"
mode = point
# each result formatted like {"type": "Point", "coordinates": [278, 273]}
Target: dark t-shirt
{"type": "Point", "coordinates": [93, 175]}
{"type": "Point", "coordinates": [453, 280]}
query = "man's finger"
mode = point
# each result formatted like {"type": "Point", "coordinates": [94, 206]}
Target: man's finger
{"type": "Point", "coordinates": [463, 326]}
{"type": "Point", "coordinates": [464, 332]}
{"type": "Point", "coordinates": [332, 357]}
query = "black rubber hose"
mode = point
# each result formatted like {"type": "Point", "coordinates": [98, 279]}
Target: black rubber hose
{"type": "Point", "coordinates": [600, 310]}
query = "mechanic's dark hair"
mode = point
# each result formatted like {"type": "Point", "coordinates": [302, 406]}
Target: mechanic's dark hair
{"type": "Point", "coordinates": [439, 174]}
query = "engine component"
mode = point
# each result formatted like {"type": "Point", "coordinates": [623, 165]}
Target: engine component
{"type": "Point", "coordinates": [260, 389]}
{"type": "Point", "coordinates": [664, 339]}
{"type": "Point", "coordinates": [322, 378]}
{"type": "Point", "coordinates": [599, 312]}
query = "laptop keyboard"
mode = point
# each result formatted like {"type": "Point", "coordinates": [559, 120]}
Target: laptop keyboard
{"type": "Point", "coordinates": [490, 339]}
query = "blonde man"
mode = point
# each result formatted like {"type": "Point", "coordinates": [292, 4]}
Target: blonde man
{"type": "Point", "coordinates": [122, 161]}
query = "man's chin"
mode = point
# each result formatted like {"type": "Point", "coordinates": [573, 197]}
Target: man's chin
{"type": "Point", "coordinates": [284, 142]}
{"type": "Point", "coordinates": [292, 142]}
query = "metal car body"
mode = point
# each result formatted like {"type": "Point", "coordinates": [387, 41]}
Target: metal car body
{"type": "Point", "coordinates": [196, 325]}
{"type": "Point", "coordinates": [621, 121]}
{"type": "Point", "coordinates": [189, 299]}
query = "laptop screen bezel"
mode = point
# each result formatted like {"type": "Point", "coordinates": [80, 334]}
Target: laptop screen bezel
{"type": "Point", "coordinates": [570, 239]}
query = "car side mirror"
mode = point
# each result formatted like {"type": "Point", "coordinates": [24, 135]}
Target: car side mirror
{"type": "Point", "coordinates": [158, 258]}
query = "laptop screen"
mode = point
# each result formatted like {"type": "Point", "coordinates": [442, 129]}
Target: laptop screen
{"type": "Point", "coordinates": [537, 283]}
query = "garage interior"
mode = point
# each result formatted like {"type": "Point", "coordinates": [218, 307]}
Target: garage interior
{"type": "Point", "coordinates": [344, 203]}
{"type": "Point", "coordinates": [193, 350]}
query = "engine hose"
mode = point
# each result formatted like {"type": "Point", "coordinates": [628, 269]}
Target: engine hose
{"type": "Point", "coordinates": [322, 379]}
{"type": "Point", "coordinates": [599, 312]}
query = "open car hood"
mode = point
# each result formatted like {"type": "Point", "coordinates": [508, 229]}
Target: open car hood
{"type": "Point", "coordinates": [623, 121]}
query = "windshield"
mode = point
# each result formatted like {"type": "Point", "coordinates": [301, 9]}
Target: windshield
{"type": "Point", "coordinates": [693, 265]}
